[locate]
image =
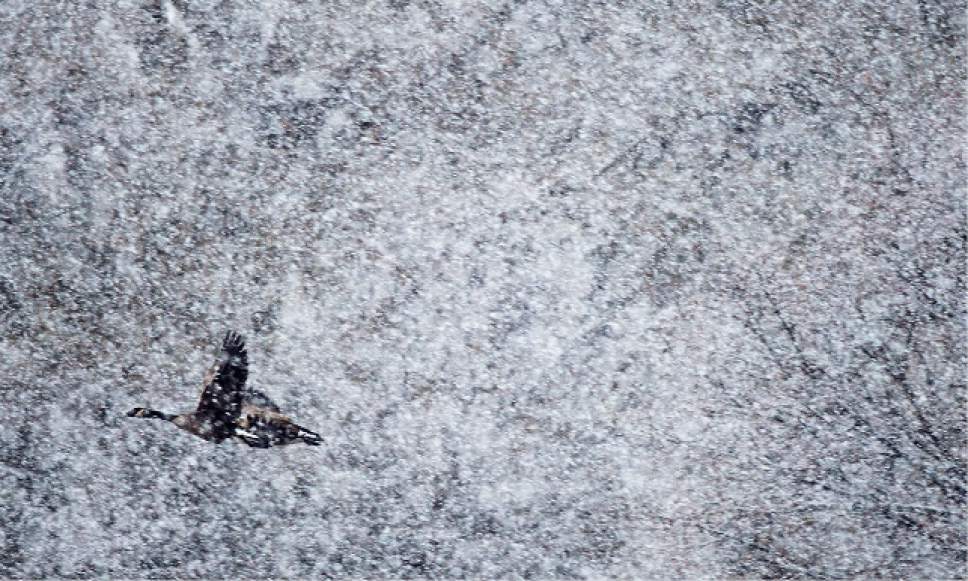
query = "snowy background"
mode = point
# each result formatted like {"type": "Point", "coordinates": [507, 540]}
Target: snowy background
{"type": "Point", "coordinates": [571, 289]}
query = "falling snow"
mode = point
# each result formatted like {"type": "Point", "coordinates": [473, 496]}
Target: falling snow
{"type": "Point", "coordinates": [570, 289]}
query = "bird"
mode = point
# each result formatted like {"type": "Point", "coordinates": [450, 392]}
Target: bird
{"type": "Point", "coordinates": [227, 409]}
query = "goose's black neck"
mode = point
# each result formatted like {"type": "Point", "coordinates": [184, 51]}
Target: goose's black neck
{"type": "Point", "coordinates": [157, 415]}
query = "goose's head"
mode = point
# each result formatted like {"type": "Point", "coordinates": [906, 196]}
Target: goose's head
{"type": "Point", "coordinates": [150, 414]}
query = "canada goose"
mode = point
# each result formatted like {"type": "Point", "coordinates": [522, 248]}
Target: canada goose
{"type": "Point", "coordinates": [228, 410]}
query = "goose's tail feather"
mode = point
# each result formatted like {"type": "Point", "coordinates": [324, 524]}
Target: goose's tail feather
{"type": "Point", "coordinates": [309, 437]}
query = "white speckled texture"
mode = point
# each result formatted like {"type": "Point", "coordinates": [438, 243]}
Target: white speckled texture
{"type": "Point", "coordinates": [571, 289]}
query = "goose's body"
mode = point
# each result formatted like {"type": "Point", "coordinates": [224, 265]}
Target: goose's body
{"type": "Point", "coordinates": [227, 409]}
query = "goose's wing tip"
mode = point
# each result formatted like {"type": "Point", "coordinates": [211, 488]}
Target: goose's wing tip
{"type": "Point", "coordinates": [233, 340]}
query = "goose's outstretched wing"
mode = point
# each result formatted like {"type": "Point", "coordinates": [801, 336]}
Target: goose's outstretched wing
{"type": "Point", "coordinates": [222, 394]}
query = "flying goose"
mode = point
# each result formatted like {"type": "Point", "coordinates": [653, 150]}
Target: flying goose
{"type": "Point", "coordinates": [228, 410]}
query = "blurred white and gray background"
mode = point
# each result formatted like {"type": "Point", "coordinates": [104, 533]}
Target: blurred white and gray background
{"type": "Point", "coordinates": [572, 289]}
